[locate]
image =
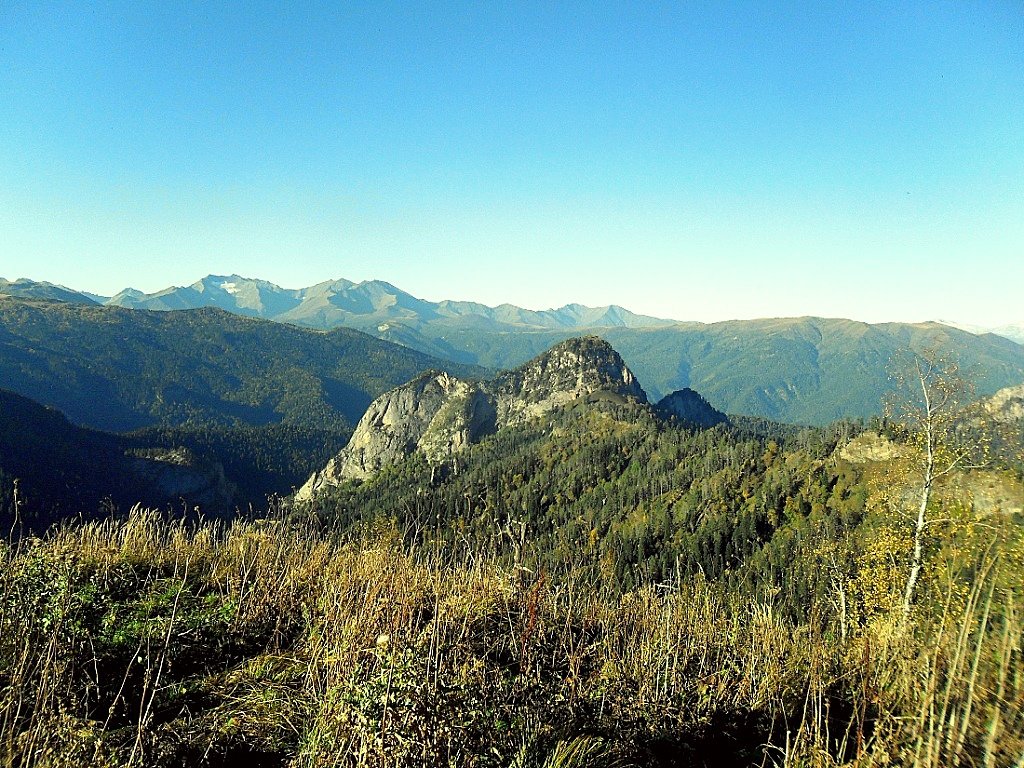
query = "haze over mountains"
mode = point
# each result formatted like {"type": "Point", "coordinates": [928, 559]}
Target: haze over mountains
{"type": "Point", "coordinates": [368, 304]}
{"type": "Point", "coordinates": [797, 370]}
{"type": "Point", "coordinates": [1013, 331]}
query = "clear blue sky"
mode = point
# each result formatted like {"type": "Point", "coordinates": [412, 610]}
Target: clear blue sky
{"type": "Point", "coordinates": [690, 160]}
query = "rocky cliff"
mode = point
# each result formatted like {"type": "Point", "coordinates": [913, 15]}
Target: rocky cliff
{"type": "Point", "coordinates": [178, 473]}
{"type": "Point", "coordinates": [1006, 405]}
{"type": "Point", "coordinates": [440, 415]}
{"type": "Point", "coordinates": [435, 412]}
{"type": "Point", "coordinates": [566, 372]}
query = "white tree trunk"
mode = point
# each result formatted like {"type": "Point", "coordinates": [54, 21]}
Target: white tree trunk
{"type": "Point", "coordinates": [917, 558]}
{"type": "Point", "coordinates": [918, 554]}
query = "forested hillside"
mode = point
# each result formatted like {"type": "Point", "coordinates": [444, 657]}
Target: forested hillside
{"type": "Point", "coordinates": [796, 370]}
{"type": "Point", "coordinates": [51, 469]}
{"type": "Point", "coordinates": [120, 369]}
{"type": "Point", "coordinates": [611, 488]}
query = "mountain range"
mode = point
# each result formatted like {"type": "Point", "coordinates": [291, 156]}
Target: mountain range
{"type": "Point", "coordinates": [798, 370]}
{"type": "Point", "coordinates": [334, 303]}
{"type": "Point", "coordinates": [340, 302]}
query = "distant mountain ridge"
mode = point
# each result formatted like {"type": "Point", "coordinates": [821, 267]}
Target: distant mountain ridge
{"type": "Point", "coordinates": [805, 370]}
{"type": "Point", "coordinates": [367, 304]}
{"type": "Point", "coordinates": [23, 288]}
{"type": "Point", "coordinates": [372, 303]}
{"type": "Point", "coordinates": [1013, 332]}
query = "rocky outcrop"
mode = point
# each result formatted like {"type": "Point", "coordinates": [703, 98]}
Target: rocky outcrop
{"type": "Point", "coordinates": [870, 447]}
{"type": "Point", "coordinates": [177, 473]}
{"type": "Point", "coordinates": [441, 415]}
{"type": "Point", "coordinates": [1006, 405]}
{"type": "Point", "coordinates": [689, 406]}
{"type": "Point", "coordinates": [435, 412]}
{"type": "Point", "coordinates": [566, 372]}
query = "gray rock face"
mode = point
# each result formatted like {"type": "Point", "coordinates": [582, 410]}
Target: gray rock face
{"type": "Point", "coordinates": [435, 412]}
{"type": "Point", "coordinates": [441, 415]}
{"type": "Point", "coordinates": [570, 370]}
{"type": "Point", "coordinates": [688, 405]}
{"type": "Point", "coordinates": [1006, 405]}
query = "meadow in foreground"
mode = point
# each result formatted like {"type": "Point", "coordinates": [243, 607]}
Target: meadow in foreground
{"type": "Point", "coordinates": [147, 642]}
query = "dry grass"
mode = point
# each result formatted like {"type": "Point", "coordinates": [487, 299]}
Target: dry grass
{"type": "Point", "coordinates": [144, 642]}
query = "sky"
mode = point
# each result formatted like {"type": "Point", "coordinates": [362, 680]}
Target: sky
{"type": "Point", "coordinates": [692, 160]}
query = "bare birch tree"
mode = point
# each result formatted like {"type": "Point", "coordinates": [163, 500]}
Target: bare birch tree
{"type": "Point", "coordinates": [929, 403]}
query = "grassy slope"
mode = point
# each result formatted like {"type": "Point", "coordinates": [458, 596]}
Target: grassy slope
{"type": "Point", "coordinates": [760, 622]}
{"type": "Point", "coordinates": [140, 643]}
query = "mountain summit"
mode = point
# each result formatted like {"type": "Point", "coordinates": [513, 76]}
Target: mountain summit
{"type": "Point", "coordinates": [232, 293]}
{"type": "Point", "coordinates": [366, 306]}
{"type": "Point", "coordinates": [439, 414]}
